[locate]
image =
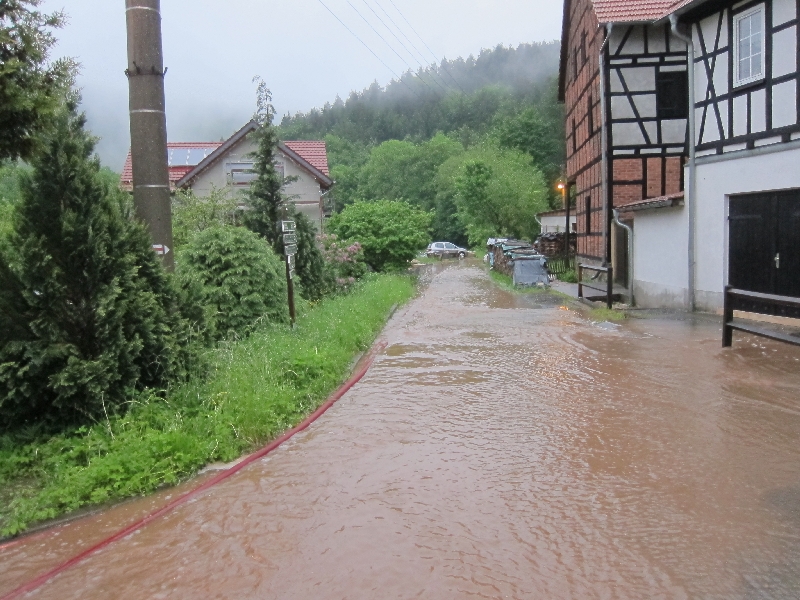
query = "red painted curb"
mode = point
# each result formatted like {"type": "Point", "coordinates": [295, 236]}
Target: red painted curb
{"type": "Point", "coordinates": [222, 476]}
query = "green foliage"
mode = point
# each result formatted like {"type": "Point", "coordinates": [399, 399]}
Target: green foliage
{"type": "Point", "coordinates": [266, 200]}
{"type": "Point", "coordinates": [256, 389]}
{"type": "Point", "coordinates": [31, 88]}
{"type": "Point", "coordinates": [405, 171]}
{"type": "Point", "coordinates": [346, 159]}
{"type": "Point", "coordinates": [10, 193]}
{"type": "Point", "coordinates": [477, 89]}
{"type": "Point", "coordinates": [569, 276]}
{"type": "Point", "coordinates": [243, 281]}
{"type": "Point", "coordinates": [309, 261]}
{"type": "Point", "coordinates": [607, 314]}
{"type": "Point", "coordinates": [385, 143]}
{"type": "Point", "coordinates": [391, 233]}
{"type": "Point", "coordinates": [344, 261]}
{"type": "Point", "coordinates": [87, 313]}
{"type": "Point", "coordinates": [496, 191]}
{"type": "Point", "coordinates": [538, 131]}
{"type": "Point", "coordinates": [192, 214]}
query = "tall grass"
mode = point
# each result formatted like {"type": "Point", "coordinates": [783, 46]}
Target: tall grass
{"type": "Point", "coordinates": [257, 388]}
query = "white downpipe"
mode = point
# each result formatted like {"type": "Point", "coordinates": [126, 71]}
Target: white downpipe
{"type": "Point", "coordinates": [629, 229]}
{"type": "Point", "coordinates": [604, 141]}
{"type": "Point", "coordinates": [691, 193]}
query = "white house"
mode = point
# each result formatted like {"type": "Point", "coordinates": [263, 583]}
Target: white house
{"type": "Point", "coordinates": [555, 221]}
{"type": "Point", "coordinates": [228, 165]}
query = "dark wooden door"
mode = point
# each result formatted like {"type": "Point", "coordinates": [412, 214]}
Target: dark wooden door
{"type": "Point", "coordinates": [765, 248]}
{"type": "Point", "coordinates": [752, 243]}
{"type": "Point", "coordinates": [788, 255]}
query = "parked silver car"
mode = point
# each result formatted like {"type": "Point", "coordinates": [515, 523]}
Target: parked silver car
{"type": "Point", "coordinates": [446, 250]}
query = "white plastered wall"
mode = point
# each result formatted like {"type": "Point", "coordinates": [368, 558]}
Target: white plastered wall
{"type": "Point", "coordinates": [557, 224]}
{"type": "Point", "coordinates": [716, 182]}
{"type": "Point", "coordinates": [305, 192]}
{"type": "Point", "coordinates": [660, 257]}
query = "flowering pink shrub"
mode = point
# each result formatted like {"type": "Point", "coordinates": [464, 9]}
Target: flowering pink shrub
{"type": "Point", "coordinates": [345, 260]}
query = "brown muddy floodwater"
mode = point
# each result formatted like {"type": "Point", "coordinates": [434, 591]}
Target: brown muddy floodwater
{"type": "Point", "coordinates": [501, 446]}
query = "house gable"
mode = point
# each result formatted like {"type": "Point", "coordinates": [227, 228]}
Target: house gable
{"type": "Point", "coordinates": [646, 120]}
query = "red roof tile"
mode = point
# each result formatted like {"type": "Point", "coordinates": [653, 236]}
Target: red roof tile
{"type": "Point", "coordinates": [619, 11]}
{"type": "Point", "coordinates": [313, 152]}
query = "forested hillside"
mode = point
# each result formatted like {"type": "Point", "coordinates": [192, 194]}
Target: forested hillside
{"type": "Point", "coordinates": [477, 141]}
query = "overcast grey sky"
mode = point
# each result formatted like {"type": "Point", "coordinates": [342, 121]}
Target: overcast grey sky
{"type": "Point", "coordinates": [213, 50]}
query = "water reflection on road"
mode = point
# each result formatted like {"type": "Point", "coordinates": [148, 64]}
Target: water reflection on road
{"type": "Point", "coordinates": [501, 447]}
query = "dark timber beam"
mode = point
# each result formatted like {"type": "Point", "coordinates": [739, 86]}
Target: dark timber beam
{"type": "Point", "coordinates": [151, 193]}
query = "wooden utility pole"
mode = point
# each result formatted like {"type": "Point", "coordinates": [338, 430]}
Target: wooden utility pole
{"type": "Point", "coordinates": [151, 193]}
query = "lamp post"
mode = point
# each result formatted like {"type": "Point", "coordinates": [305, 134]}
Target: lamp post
{"type": "Point", "coordinates": [564, 189]}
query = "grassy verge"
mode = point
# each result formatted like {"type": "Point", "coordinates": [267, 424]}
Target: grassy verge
{"type": "Point", "coordinates": [256, 388]}
{"type": "Point", "coordinates": [606, 314]}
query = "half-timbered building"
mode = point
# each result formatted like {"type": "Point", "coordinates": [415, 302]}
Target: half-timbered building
{"type": "Point", "coordinates": [624, 82]}
{"type": "Point", "coordinates": [710, 200]}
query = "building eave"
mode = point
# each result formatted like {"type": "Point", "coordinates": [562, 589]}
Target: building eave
{"type": "Point", "coordinates": [325, 181]}
{"type": "Point", "coordinates": [669, 201]}
{"type": "Point", "coordinates": [217, 154]}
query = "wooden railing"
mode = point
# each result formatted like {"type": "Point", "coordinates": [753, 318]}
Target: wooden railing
{"type": "Point", "coordinates": [560, 264]}
{"type": "Point", "coordinates": [766, 300]}
{"type": "Point", "coordinates": [607, 289]}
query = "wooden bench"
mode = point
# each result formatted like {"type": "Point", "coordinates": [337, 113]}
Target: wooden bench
{"type": "Point", "coordinates": [729, 324]}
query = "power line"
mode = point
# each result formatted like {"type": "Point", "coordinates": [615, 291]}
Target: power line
{"type": "Point", "coordinates": [385, 42]}
{"type": "Point", "coordinates": [400, 29]}
{"type": "Point", "coordinates": [389, 29]}
{"type": "Point", "coordinates": [444, 66]}
{"type": "Point", "coordinates": [368, 48]}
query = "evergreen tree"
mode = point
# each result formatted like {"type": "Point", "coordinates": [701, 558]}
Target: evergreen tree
{"type": "Point", "coordinates": [87, 312]}
{"type": "Point", "coordinates": [266, 199]}
{"type": "Point", "coordinates": [315, 281]}
{"type": "Point", "coordinates": [31, 88]}
{"type": "Point", "coordinates": [268, 204]}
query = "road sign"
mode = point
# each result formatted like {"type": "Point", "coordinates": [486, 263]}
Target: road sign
{"type": "Point", "coordinates": [289, 238]}
{"type": "Point", "coordinates": [290, 260]}
{"type": "Point", "coordinates": [288, 226]}
{"type": "Point", "coordinates": [161, 249]}
{"type": "Point", "coordinates": [290, 249]}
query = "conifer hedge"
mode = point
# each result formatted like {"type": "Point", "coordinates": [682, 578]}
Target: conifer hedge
{"type": "Point", "coordinates": [242, 280]}
{"type": "Point", "coordinates": [87, 313]}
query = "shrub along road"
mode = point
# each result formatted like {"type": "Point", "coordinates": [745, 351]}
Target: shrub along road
{"type": "Point", "coordinates": [255, 389]}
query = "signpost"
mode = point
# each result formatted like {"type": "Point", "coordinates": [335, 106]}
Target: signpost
{"type": "Point", "coordinates": [289, 250]}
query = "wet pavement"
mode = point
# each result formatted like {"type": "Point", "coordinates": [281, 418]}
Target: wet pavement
{"type": "Point", "coordinates": [502, 446]}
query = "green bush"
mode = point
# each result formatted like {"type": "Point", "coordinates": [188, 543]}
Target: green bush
{"type": "Point", "coordinates": [256, 389]}
{"type": "Point", "coordinates": [87, 313]}
{"type": "Point", "coordinates": [192, 214]}
{"type": "Point", "coordinates": [390, 233]}
{"type": "Point", "coordinates": [314, 279]}
{"type": "Point", "coordinates": [243, 281]}
{"type": "Point", "coordinates": [568, 276]}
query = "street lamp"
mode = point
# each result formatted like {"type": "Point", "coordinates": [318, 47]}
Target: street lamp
{"type": "Point", "coordinates": [564, 188]}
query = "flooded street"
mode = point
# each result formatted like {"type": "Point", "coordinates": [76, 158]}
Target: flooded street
{"type": "Point", "coordinates": [502, 446]}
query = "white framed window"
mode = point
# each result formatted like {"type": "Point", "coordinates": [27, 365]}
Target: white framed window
{"type": "Point", "coordinates": [240, 174]}
{"type": "Point", "coordinates": [748, 48]}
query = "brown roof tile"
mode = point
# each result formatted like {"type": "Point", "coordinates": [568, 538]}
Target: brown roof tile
{"type": "Point", "coordinates": [313, 152]}
{"type": "Point", "coordinates": [620, 11]}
